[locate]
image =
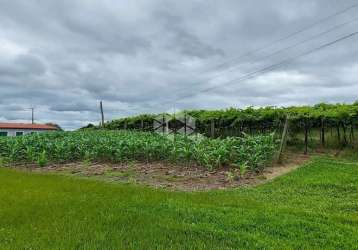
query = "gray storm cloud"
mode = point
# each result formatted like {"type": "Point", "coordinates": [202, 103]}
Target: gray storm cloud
{"type": "Point", "coordinates": [62, 57]}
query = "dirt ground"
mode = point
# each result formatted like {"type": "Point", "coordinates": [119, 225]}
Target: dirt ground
{"type": "Point", "coordinates": [163, 175]}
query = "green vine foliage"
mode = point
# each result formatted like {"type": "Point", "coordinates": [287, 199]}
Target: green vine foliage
{"type": "Point", "coordinates": [254, 120]}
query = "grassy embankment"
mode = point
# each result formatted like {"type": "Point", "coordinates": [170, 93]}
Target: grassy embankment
{"type": "Point", "coordinates": [314, 207]}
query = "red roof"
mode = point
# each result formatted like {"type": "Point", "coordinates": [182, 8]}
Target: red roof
{"type": "Point", "coordinates": [26, 126]}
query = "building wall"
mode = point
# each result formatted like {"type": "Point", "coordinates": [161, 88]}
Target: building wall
{"type": "Point", "coordinates": [12, 132]}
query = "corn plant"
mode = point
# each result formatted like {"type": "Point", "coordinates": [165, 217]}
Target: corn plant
{"type": "Point", "coordinates": [125, 146]}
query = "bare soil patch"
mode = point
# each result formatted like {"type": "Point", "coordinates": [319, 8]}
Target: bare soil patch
{"type": "Point", "coordinates": [164, 175]}
{"type": "Point", "coordinates": [292, 161]}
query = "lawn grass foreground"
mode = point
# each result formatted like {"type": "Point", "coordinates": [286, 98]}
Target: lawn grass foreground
{"type": "Point", "coordinates": [314, 207]}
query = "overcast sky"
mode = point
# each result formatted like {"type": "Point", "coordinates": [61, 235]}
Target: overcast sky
{"type": "Point", "coordinates": [62, 57]}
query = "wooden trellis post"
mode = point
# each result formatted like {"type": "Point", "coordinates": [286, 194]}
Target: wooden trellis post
{"type": "Point", "coordinates": [323, 139]}
{"type": "Point", "coordinates": [306, 137]}
{"type": "Point", "coordinates": [212, 128]}
{"type": "Point", "coordinates": [163, 124]}
{"type": "Point", "coordinates": [185, 123]}
{"type": "Point", "coordinates": [283, 140]}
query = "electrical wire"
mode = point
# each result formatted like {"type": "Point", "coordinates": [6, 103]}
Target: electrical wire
{"type": "Point", "coordinates": [266, 69]}
{"type": "Point", "coordinates": [254, 51]}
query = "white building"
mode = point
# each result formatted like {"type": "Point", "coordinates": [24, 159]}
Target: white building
{"type": "Point", "coordinates": [18, 129]}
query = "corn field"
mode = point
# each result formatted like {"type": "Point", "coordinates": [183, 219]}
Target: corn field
{"type": "Point", "coordinates": [124, 146]}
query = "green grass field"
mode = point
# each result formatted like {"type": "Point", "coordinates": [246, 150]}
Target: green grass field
{"type": "Point", "coordinates": [315, 207]}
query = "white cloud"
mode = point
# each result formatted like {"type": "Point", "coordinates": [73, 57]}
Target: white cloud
{"type": "Point", "coordinates": [11, 49]}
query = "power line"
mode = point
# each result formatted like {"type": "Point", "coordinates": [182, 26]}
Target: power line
{"type": "Point", "coordinates": [313, 37]}
{"type": "Point", "coordinates": [287, 36]}
{"type": "Point", "coordinates": [287, 48]}
{"type": "Point", "coordinates": [267, 69]}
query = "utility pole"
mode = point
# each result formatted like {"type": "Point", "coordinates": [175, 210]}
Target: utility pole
{"type": "Point", "coordinates": [32, 115]}
{"type": "Point", "coordinates": [102, 115]}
